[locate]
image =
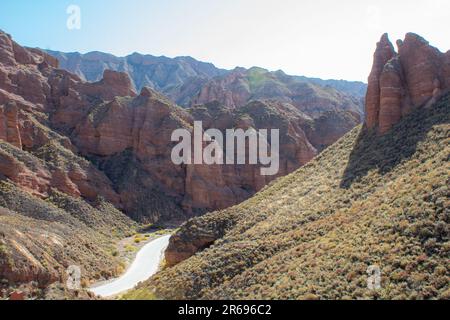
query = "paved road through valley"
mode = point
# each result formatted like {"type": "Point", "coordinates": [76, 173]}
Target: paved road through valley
{"type": "Point", "coordinates": [144, 266]}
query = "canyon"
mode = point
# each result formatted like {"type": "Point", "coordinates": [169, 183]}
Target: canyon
{"type": "Point", "coordinates": [84, 164]}
{"type": "Point", "coordinates": [85, 160]}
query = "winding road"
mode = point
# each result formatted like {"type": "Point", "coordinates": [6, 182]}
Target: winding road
{"type": "Point", "coordinates": [144, 266]}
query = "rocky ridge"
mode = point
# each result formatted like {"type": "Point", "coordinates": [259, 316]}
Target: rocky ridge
{"type": "Point", "coordinates": [178, 78]}
{"type": "Point", "coordinates": [240, 86]}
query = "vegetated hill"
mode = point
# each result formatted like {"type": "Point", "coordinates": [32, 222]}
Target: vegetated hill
{"type": "Point", "coordinates": [367, 200]}
{"type": "Point", "coordinates": [182, 78]}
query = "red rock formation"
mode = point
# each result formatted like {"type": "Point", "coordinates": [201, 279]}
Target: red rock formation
{"type": "Point", "coordinates": [422, 66]}
{"type": "Point", "coordinates": [35, 180]}
{"type": "Point", "coordinates": [32, 89]}
{"type": "Point", "coordinates": [400, 82]}
{"type": "Point", "coordinates": [17, 296]}
{"type": "Point", "coordinates": [113, 84]}
{"type": "Point", "coordinates": [384, 52]}
{"type": "Point", "coordinates": [9, 125]}
{"type": "Point", "coordinates": [231, 90]}
{"type": "Point", "coordinates": [391, 95]}
{"type": "Point", "coordinates": [180, 249]}
{"type": "Point", "coordinates": [221, 186]}
{"type": "Point", "coordinates": [6, 49]}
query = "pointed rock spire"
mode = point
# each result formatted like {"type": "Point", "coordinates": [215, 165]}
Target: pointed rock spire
{"type": "Point", "coordinates": [415, 77]}
{"type": "Point", "coordinates": [384, 52]}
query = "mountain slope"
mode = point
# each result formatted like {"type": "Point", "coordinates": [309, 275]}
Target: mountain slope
{"type": "Point", "coordinates": [366, 200]}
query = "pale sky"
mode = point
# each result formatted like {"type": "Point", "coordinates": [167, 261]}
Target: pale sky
{"type": "Point", "coordinates": [318, 38]}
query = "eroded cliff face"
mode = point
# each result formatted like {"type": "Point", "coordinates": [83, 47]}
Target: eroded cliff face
{"type": "Point", "coordinates": [31, 90]}
{"type": "Point", "coordinates": [130, 140]}
{"type": "Point", "coordinates": [56, 208]}
{"type": "Point", "coordinates": [227, 185]}
{"type": "Point", "coordinates": [414, 77]}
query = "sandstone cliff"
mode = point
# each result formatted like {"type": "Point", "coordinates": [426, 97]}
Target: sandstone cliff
{"type": "Point", "coordinates": [414, 77]}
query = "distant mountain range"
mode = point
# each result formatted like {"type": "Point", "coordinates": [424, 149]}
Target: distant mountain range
{"type": "Point", "coordinates": [240, 86]}
{"type": "Point", "coordinates": [183, 78]}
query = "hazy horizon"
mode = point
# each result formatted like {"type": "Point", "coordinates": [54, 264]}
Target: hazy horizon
{"type": "Point", "coordinates": [324, 39]}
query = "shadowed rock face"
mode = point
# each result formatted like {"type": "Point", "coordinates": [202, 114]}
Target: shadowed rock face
{"type": "Point", "coordinates": [415, 77]}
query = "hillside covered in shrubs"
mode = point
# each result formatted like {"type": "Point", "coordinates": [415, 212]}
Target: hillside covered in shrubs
{"type": "Point", "coordinates": [368, 200]}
